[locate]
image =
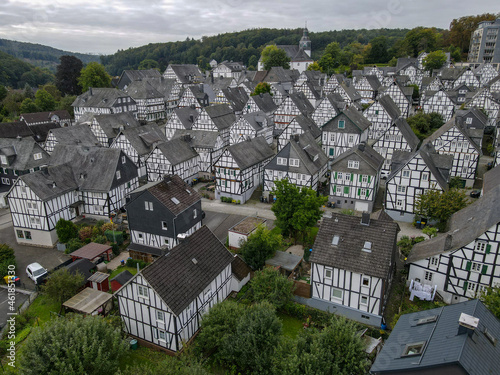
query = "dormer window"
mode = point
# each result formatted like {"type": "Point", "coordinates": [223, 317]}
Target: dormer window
{"type": "Point", "coordinates": [367, 247]}
{"type": "Point", "coordinates": [3, 159]}
{"type": "Point", "coordinates": [335, 240]}
{"type": "Point", "coordinates": [37, 156]}
{"type": "Point", "coordinates": [353, 164]}
{"type": "Point", "coordinates": [413, 349]}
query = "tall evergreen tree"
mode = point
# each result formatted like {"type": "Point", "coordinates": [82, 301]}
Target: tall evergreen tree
{"type": "Point", "coordinates": [67, 74]}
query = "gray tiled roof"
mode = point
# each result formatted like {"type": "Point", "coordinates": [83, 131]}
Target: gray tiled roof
{"type": "Point", "coordinates": [294, 52]}
{"type": "Point", "coordinates": [15, 129]}
{"type": "Point", "coordinates": [448, 126]}
{"type": "Point", "coordinates": [185, 114]}
{"type": "Point", "coordinates": [198, 138]}
{"type": "Point", "coordinates": [357, 122]}
{"type": "Point", "coordinates": [258, 120]}
{"type": "Point", "coordinates": [178, 279]}
{"type": "Point", "coordinates": [144, 138]}
{"type": "Point", "coordinates": [237, 97]}
{"type": "Point", "coordinates": [370, 161]}
{"type": "Point", "coordinates": [444, 346]}
{"type": "Point", "coordinates": [162, 85]}
{"type": "Point", "coordinates": [250, 152]}
{"type": "Point", "coordinates": [407, 132]}
{"type": "Point", "coordinates": [41, 131]}
{"type": "Point", "coordinates": [307, 125]}
{"type": "Point", "coordinates": [222, 115]}
{"type": "Point", "coordinates": [99, 97]}
{"type": "Point", "coordinates": [143, 90]}
{"type": "Point", "coordinates": [348, 254]}
{"type": "Point", "coordinates": [184, 71]}
{"type": "Point", "coordinates": [20, 153]}
{"type": "Point", "coordinates": [30, 118]}
{"type": "Point", "coordinates": [388, 104]}
{"type": "Point", "coordinates": [138, 75]}
{"type": "Point", "coordinates": [303, 104]}
{"type": "Point", "coordinates": [177, 151]}
{"type": "Point", "coordinates": [75, 135]}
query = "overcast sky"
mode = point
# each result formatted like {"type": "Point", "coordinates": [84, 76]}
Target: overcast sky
{"type": "Point", "coordinates": [104, 26]}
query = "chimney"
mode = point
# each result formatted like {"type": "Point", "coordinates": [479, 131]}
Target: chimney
{"type": "Point", "coordinates": [467, 324]}
{"type": "Point", "coordinates": [90, 91]}
{"type": "Point", "coordinates": [167, 178]}
{"type": "Point", "coordinates": [187, 137]}
{"type": "Point", "coordinates": [448, 241]}
{"type": "Point", "coordinates": [361, 147]}
{"type": "Point", "coordinates": [365, 218]}
{"type": "Point", "coordinates": [296, 138]}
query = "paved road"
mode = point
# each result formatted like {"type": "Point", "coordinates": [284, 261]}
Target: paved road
{"type": "Point", "coordinates": [4, 306]}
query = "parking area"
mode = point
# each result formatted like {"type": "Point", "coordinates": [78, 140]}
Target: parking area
{"type": "Point", "coordinates": [48, 258]}
{"type": "Point", "coordinates": [5, 307]}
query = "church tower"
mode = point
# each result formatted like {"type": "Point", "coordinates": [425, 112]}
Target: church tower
{"type": "Point", "coordinates": [305, 42]}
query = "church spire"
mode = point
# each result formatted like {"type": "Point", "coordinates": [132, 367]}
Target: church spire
{"type": "Point", "coordinates": [305, 42]}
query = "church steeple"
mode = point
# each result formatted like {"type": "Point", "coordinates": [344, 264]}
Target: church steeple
{"type": "Point", "coordinates": [305, 42]}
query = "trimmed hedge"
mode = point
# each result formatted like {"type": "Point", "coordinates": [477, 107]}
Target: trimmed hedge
{"type": "Point", "coordinates": [113, 236]}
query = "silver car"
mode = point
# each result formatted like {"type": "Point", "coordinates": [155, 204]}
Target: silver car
{"type": "Point", "coordinates": [36, 272]}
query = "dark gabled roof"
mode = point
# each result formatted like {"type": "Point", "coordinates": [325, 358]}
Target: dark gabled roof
{"type": "Point", "coordinates": [451, 74]}
{"type": "Point", "coordinates": [177, 151]}
{"type": "Point", "coordinates": [303, 104]}
{"type": "Point", "coordinates": [404, 62]}
{"type": "Point", "coordinates": [491, 179]}
{"type": "Point", "coordinates": [356, 117]}
{"type": "Point", "coordinates": [407, 132]}
{"type": "Point", "coordinates": [84, 266]}
{"type": "Point", "coordinates": [122, 277]}
{"type": "Point", "coordinates": [464, 227]}
{"type": "Point", "coordinates": [444, 346]}
{"type": "Point", "coordinates": [373, 82]}
{"type": "Point", "coordinates": [162, 85]}
{"type": "Point", "coordinates": [239, 268]}
{"type": "Point", "coordinates": [493, 81]}
{"type": "Point", "coordinates": [75, 135]}
{"type": "Point", "coordinates": [250, 152]}
{"type": "Point", "coordinates": [90, 251]}
{"type": "Point", "coordinates": [439, 165]}
{"type": "Point", "coordinates": [478, 113]}
{"type": "Point", "coordinates": [348, 254]}
{"type": "Point", "coordinates": [31, 118]}
{"type": "Point", "coordinates": [144, 138]}
{"type": "Point", "coordinates": [294, 52]}
{"type": "Point", "coordinates": [350, 91]}
{"type": "Point", "coordinates": [222, 115]}
{"type": "Point", "coordinates": [174, 187]}
{"type": "Point", "coordinates": [307, 125]}
{"type": "Point", "coordinates": [185, 71]}
{"type": "Point", "coordinates": [143, 90]}
{"type": "Point", "coordinates": [144, 249]}
{"type": "Point", "coordinates": [110, 123]}
{"type": "Point", "coordinates": [51, 182]}
{"type": "Point", "coordinates": [370, 161]}
{"type": "Point", "coordinates": [258, 120]}
{"type": "Point", "coordinates": [390, 107]}
{"type": "Point", "coordinates": [23, 150]}
{"type": "Point", "coordinates": [198, 138]}
{"type": "Point", "coordinates": [447, 127]}
{"type": "Point", "coordinates": [237, 97]}
{"type": "Point", "coordinates": [99, 97]}
{"type": "Point", "coordinates": [40, 131]}
{"type": "Point", "coordinates": [138, 75]}
{"type": "Point", "coordinates": [265, 102]}
{"type": "Point", "coordinates": [184, 115]}
{"type": "Point", "coordinates": [15, 129]}
{"type": "Point", "coordinates": [181, 275]}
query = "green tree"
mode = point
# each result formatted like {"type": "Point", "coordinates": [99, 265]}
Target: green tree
{"type": "Point", "coordinates": [271, 286]}
{"type": "Point", "coordinates": [7, 258]}
{"type": "Point", "coordinates": [66, 230]}
{"type": "Point", "coordinates": [378, 52]}
{"type": "Point", "coordinates": [314, 66]}
{"type": "Point", "coordinates": [424, 124]}
{"type": "Point", "coordinates": [94, 75]}
{"type": "Point", "coordinates": [148, 64]}
{"type": "Point", "coordinates": [73, 345]}
{"type": "Point", "coordinates": [61, 285]}
{"type": "Point", "coordinates": [296, 210]}
{"type": "Point", "coordinates": [393, 62]}
{"type": "Point", "coordinates": [262, 88]}
{"type": "Point", "coordinates": [492, 300]}
{"type": "Point", "coordinates": [28, 92]}
{"type": "Point", "coordinates": [44, 101]}
{"type": "Point", "coordinates": [28, 106]}
{"type": "Point", "coordinates": [430, 231]}
{"type": "Point", "coordinates": [330, 58]}
{"type": "Point", "coordinates": [406, 243]}
{"type": "Point", "coordinates": [273, 56]}
{"type": "Point", "coordinates": [434, 60]}
{"type": "Point", "coordinates": [65, 103]}
{"type": "Point", "coordinates": [462, 28]}
{"type": "Point", "coordinates": [260, 246]}
{"type": "Point", "coordinates": [67, 74]}
{"type": "Point", "coordinates": [420, 39]}
{"type": "Point", "coordinates": [3, 92]}
{"type": "Point", "coordinates": [439, 206]}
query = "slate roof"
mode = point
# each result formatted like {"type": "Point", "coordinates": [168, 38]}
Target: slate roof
{"type": "Point", "coordinates": [237, 97]}
{"type": "Point", "coordinates": [447, 127]}
{"type": "Point", "coordinates": [407, 133]}
{"type": "Point", "coordinates": [84, 266]}
{"type": "Point", "coordinates": [258, 120]}
{"type": "Point", "coordinates": [239, 268]}
{"type": "Point", "coordinates": [250, 152]}
{"type": "Point", "coordinates": [222, 115]}
{"type": "Point", "coordinates": [122, 277]}
{"type": "Point", "coordinates": [51, 182]}
{"type": "Point", "coordinates": [391, 108]}
{"type": "Point", "coordinates": [198, 138]}
{"type": "Point", "coordinates": [174, 187]}
{"type": "Point", "coordinates": [184, 115]}
{"type": "Point", "coordinates": [177, 279]}
{"type": "Point", "coordinates": [479, 114]}
{"type": "Point", "coordinates": [143, 90]}
{"type": "Point", "coordinates": [31, 118]}
{"type": "Point", "coordinates": [144, 138]}
{"type": "Point", "coordinates": [370, 161]}
{"type": "Point", "coordinates": [474, 353]}
{"type": "Point", "coordinates": [451, 74]}
{"type": "Point", "coordinates": [99, 97]}
{"type": "Point", "coordinates": [162, 85]}
{"type": "Point", "coordinates": [41, 131]}
{"type": "Point", "coordinates": [90, 251]}
{"type": "Point", "coordinates": [177, 151]}
{"type": "Point", "coordinates": [303, 104]}
{"type": "Point", "coordinates": [307, 125]}
{"type": "Point", "coordinates": [20, 153]}
{"type": "Point", "coordinates": [15, 129]}
{"type": "Point", "coordinates": [491, 179]}
{"type": "Point", "coordinates": [357, 124]}
{"type": "Point", "coordinates": [138, 75]}
{"type": "Point", "coordinates": [350, 91]}
{"type": "Point", "coordinates": [305, 148]}
{"type": "Point", "coordinates": [295, 53]}
{"type": "Point", "coordinates": [111, 123]}
{"type": "Point", "coordinates": [348, 254]}
{"type": "Point", "coordinates": [184, 71]}
{"type": "Point", "coordinates": [75, 135]}
{"type": "Point", "coordinates": [404, 62]}
{"type": "Point", "coordinates": [464, 226]}
{"type": "Point", "coordinates": [373, 82]}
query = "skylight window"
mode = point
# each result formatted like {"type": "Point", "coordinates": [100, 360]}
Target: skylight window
{"type": "Point", "coordinates": [428, 319]}
{"type": "Point", "coordinates": [367, 247]}
{"type": "Point", "coordinates": [335, 240]}
{"type": "Point", "coordinates": [175, 200]}
{"type": "Point", "coordinates": [413, 349]}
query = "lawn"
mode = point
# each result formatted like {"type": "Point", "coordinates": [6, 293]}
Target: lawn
{"type": "Point", "coordinates": [132, 270]}
{"type": "Point", "coordinates": [291, 326]}
{"type": "Point", "coordinates": [141, 356]}
{"type": "Point", "coordinates": [43, 309]}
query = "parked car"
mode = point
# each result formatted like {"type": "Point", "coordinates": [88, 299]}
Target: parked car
{"type": "Point", "coordinates": [36, 273]}
{"type": "Point", "coordinates": [475, 193]}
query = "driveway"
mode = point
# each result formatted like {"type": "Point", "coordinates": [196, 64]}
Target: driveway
{"type": "Point", "coordinates": [5, 307]}
{"type": "Point", "coordinates": [48, 258]}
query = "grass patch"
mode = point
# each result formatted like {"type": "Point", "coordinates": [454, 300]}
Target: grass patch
{"type": "Point", "coordinates": [291, 326]}
{"type": "Point", "coordinates": [120, 269]}
{"type": "Point", "coordinates": [43, 308]}
{"type": "Point", "coordinates": [141, 356]}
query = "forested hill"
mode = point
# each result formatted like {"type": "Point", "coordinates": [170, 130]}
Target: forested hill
{"type": "Point", "coordinates": [40, 55]}
{"type": "Point", "coordinates": [242, 46]}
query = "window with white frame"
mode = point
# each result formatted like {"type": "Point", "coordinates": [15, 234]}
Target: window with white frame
{"type": "Point", "coordinates": [339, 176]}
{"type": "Point", "coordinates": [347, 176]}
{"type": "Point", "coordinates": [480, 246]}
{"type": "Point", "coordinates": [364, 300]}
{"type": "Point", "coordinates": [35, 220]}
{"type": "Point", "coordinates": [425, 176]}
{"type": "Point", "coordinates": [366, 281]}
{"type": "Point", "coordinates": [160, 316]}
{"type": "Point", "coordinates": [142, 291]}
{"type": "Point", "coordinates": [341, 124]}
{"type": "Point", "coordinates": [476, 267]}
{"type": "Point", "coordinates": [294, 162]}
{"type": "Point", "coordinates": [332, 137]}
{"type": "Point", "coordinates": [428, 276]}
{"type": "Point", "coordinates": [353, 164]}
{"type": "Point", "coordinates": [337, 293]}
{"type": "Point", "coordinates": [3, 159]}
{"type": "Point", "coordinates": [468, 120]}
{"type": "Point", "coordinates": [406, 173]}
{"type": "Point", "coordinates": [434, 261]}
{"type": "Point", "coordinates": [118, 175]}
{"type": "Point", "coordinates": [350, 139]}
{"type": "Point", "coordinates": [37, 156]}
{"type": "Point", "coordinates": [148, 206]}
{"type": "Point", "coordinates": [362, 192]}
{"type": "Point", "coordinates": [164, 225]}
{"type": "Point", "coordinates": [401, 189]}
{"type": "Point", "coordinates": [281, 161]}
{"type": "Point", "coordinates": [364, 178]}
{"type": "Point", "coordinates": [328, 273]}
{"type": "Point", "coordinates": [472, 287]}
{"type": "Point", "coordinates": [399, 203]}
{"type": "Point", "coordinates": [162, 335]}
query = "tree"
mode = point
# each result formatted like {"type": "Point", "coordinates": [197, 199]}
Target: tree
{"type": "Point", "coordinates": [378, 52]}
{"type": "Point", "coordinates": [28, 92]}
{"type": "Point", "coordinates": [492, 300]}
{"type": "Point", "coordinates": [260, 246]}
{"type": "Point", "coordinates": [314, 66]}
{"type": "Point", "coordinates": [66, 103]}
{"type": "Point", "coordinates": [420, 39]}
{"type": "Point", "coordinates": [73, 345]}
{"type": "Point", "coordinates": [416, 92]}
{"type": "Point", "coordinates": [261, 88]}
{"type": "Point", "coordinates": [406, 243]}
{"type": "Point", "coordinates": [66, 230]}
{"type": "Point", "coordinates": [424, 124]}
{"type": "Point", "coordinates": [462, 28]}
{"type": "Point", "coordinates": [67, 74]}
{"type": "Point", "coordinates": [430, 231]}
{"type": "Point", "coordinates": [296, 210]}
{"type": "Point", "coordinates": [434, 60]}
{"type": "Point", "coordinates": [330, 58]}
{"type": "Point", "coordinates": [439, 206]}
{"type": "Point", "coordinates": [273, 56]}
{"type": "Point", "coordinates": [62, 285]}
{"type": "Point", "coordinates": [28, 106]}
{"type": "Point", "coordinates": [148, 64]}
{"type": "Point", "coordinates": [271, 286]}
{"type": "Point", "coordinates": [44, 101]}
{"type": "Point", "coordinates": [182, 365]}
{"type": "Point", "coordinates": [3, 92]}
{"type": "Point", "coordinates": [94, 75]}
{"type": "Point", "coordinates": [7, 258]}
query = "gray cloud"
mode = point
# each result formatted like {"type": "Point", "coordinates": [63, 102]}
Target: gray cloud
{"type": "Point", "coordinates": [102, 26]}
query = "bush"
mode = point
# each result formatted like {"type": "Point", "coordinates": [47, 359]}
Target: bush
{"type": "Point", "coordinates": [115, 248]}
{"type": "Point", "coordinates": [271, 286]}
{"type": "Point", "coordinates": [66, 230]}
{"type": "Point", "coordinates": [99, 239]}
{"type": "Point", "coordinates": [85, 233]}
{"type": "Point", "coordinates": [134, 262]}
{"type": "Point", "coordinates": [406, 244]}
{"type": "Point", "coordinates": [114, 236]}
{"type": "Point", "coordinates": [7, 258]}
{"type": "Point", "coordinates": [302, 312]}
{"type": "Point", "coordinates": [107, 226]}
{"type": "Point", "coordinates": [72, 245]}
{"type": "Point", "coordinates": [99, 224]}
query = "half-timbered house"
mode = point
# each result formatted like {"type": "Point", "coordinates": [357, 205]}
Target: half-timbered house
{"type": "Point", "coordinates": [344, 131]}
{"type": "Point", "coordinates": [216, 118]}
{"type": "Point", "coordinates": [412, 175]}
{"type": "Point", "coordinates": [251, 125]}
{"type": "Point", "coordinates": [156, 305]}
{"type": "Point", "coordinates": [107, 127]}
{"type": "Point", "coordinates": [261, 102]}
{"type": "Point", "coordinates": [410, 67]}
{"type": "Point", "coordinates": [194, 96]}
{"type": "Point", "coordinates": [472, 118]}
{"type": "Point", "coordinates": [299, 125]}
{"type": "Point", "coordinates": [173, 157]}
{"type": "Point", "coordinates": [485, 99]}
{"type": "Point", "coordinates": [228, 69]}
{"type": "Point", "coordinates": [485, 73]}
{"type": "Point", "coordinates": [150, 102]}
{"type": "Point", "coordinates": [169, 88]}
{"type": "Point", "coordinates": [368, 87]}
{"type": "Point", "coordinates": [355, 177]}
{"type": "Point", "coordinates": [381, 113]}
{"type": "Point", "coordinates": [239, 170]}
{"type": "Point", "coordinates": [60, 117]}
{"type": "Point", "coordinates": [184, 74]}
{"type": "Point", "coordinates": [348, 93]}
{"type": "Point", "coordinates": [103, 101]}
{"type": "Point", "coordinates": [352, 264]}
{"type": "Point", "coordinates": [327, 108]}
{"type": "Point", "coordinates": [332, 83]}
{"type": "Point", "coordinates": [180, 119]}
{"type": "Point", "coordinates": [301, 161]}
{"type": "Point", "coordinates": [400, 137]}
{"type": "Point", "coordinates": [80, 134]}
{"type": "Point", "coordinates": [400, 95]}
{"type": "Point", "coordinates": [159, 214]}
{"type": "Point", "coordinates": [292, 106]}
{"type": "Point", "coordinates": [312, 92]}
{"type": "Point", "coordinates": [439, 102]}
{"type": "Point", "coordinates": [462, 262]}
{"type": "Point", "coordinates": [129, 76]}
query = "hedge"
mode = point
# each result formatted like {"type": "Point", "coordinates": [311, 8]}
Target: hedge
{"type": "Point", "coordinates": [114, 236]}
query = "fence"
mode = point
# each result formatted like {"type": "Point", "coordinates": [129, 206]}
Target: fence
{"type": "Point", "coordinates": [302, 289]}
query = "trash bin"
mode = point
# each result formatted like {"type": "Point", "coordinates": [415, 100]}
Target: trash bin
{"type": "Point", "coordinates": [133, 344]}
{"type": "Point", "coordinates": [17, 281]}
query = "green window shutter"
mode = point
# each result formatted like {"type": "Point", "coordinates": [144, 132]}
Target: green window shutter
{"type": "Point", "coordinates": [484, 270]}
{"type": "Point", "coordinates": [468, 266]}
{"type": "Point", "coordinates": [360, 177]}
{"type": "Point", "coordinates": [335, 175]}
{"type": "Point", "coordinates": [369, 179]}
{"type": "Point", "coordinates": [488, 249]}
{"type": "Point", "coordinates": [352, 176]}
{"type": "Point", "coordinates": [367, 193]}
{"type": "Point", "coordinates": [334, 189]}
{"type": "Point", "coordinates": [346, 189]}
{"type": "Point", "coordinates": [331, 151]}
{"type": "Point", "coordinates": [465, 285]}
{"type": "Point", "coordinates": [359, 191]}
